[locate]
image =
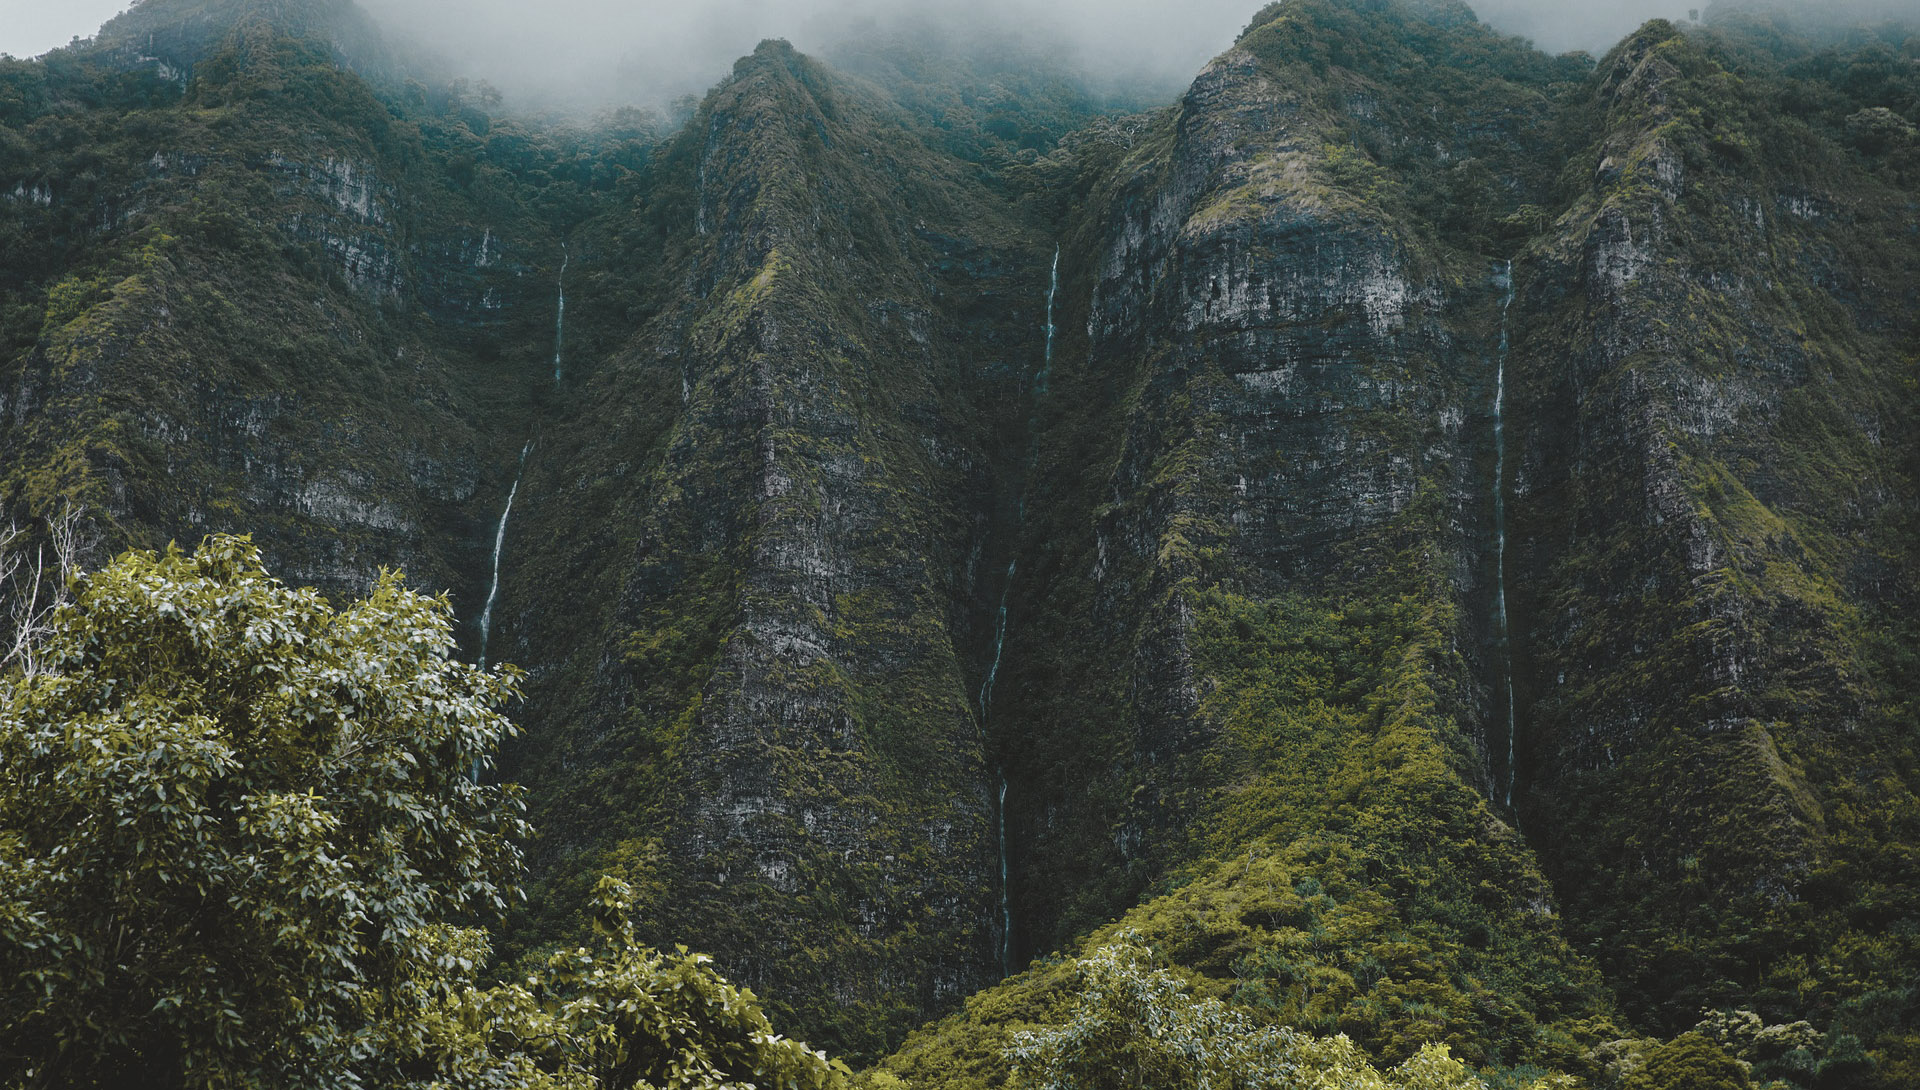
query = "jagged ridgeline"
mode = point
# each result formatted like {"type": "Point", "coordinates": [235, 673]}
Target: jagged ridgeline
{"type": "Point", "coordinates": [1420, 532]}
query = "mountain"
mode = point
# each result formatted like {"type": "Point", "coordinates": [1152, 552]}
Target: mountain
{"type": "Point", "coordinates": [775, 494]}
{"type": "Point", "coordinates": [171, 37]}
{"type": "Point", "coordinates": [1714, 515]}
{"type": "Point", "coordinates": [1419, 532]}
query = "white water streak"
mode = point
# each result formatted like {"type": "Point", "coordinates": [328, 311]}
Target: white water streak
{"type": "Point", "coordinates": [1000, 630]}
{"type": "Point", "coordinates": [999, 642]}
{"type": "Point", "coordinates": [1006, 890]}
{"type": "Point", "coordinates": [1053, 288]}
{"type": "Point", "coordinates": [560, 315]}
{"type": "Point", "coordinates": [499, 540]}
{"type": "Point", "coordinates": [1501, 631]}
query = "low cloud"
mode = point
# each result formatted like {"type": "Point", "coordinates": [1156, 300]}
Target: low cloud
{"type": "Point", "coordinates": [601, 52]}
{"type": "Point", "coordinates": [652, 50]}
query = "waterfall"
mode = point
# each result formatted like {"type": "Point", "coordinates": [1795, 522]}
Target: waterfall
{"type": "Point", "coordinates": [999, 641]}
{"type": "Point", "coordinates": [560, 314]}
{"type": "Point", "coordinates": [500, 539]}
{"type": "Point", "coordinates": [1053, 288]}
{"type": "Point", "coordinates": [1006, 888]}
{"type": "Point", "coordinates": [1000, 625]}
{"type": "Point", "coordinates": [1000, 810]}
{"type": "Point", "coordinates": [1501, 632]}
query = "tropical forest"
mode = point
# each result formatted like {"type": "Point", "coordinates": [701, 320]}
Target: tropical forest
{"type": "Point", "coordinates": [1389, 562]}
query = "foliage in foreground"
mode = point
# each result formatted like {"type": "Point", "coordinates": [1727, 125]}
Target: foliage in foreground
{"type": "Point", "coordinates": [244, 842]}
{"type": "Point", "coordinates": [1135, 1024]}
{"type": "Point", "coordinates": [619, 1015]}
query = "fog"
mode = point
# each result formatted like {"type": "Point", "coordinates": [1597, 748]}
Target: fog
{"type": "Point", "coordinates": [603, 52]}
{"type": "Point", "coordinates": [654, 50]}
{"type": "Point", "coordinates": [29, 28]}
{"type": "Point", "coordinates": [591, 51]}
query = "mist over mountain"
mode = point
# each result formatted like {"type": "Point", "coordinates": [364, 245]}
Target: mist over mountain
{"type": "Point", "coordinates": [1100, 545]}
{"type": "Point", "coordinates": [589, 50]}
{"type": "Point", "coordinates": [600, 51]}
{"type": "Point", "coordinates": [588, 54]}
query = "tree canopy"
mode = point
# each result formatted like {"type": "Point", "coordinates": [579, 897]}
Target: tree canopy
{"type": "Point", "coordinates": [1136, 1024]}
{"type": "Point", "coordinates": [246, 841]}
{"type": "Point", "coordinates": [234, 820]}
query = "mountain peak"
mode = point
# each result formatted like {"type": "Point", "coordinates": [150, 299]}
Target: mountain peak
{"type": "Point", "coordinates": [180, 33]}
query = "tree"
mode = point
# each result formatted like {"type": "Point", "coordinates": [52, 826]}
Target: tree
{"type": "Point", "coordinates": [621, 1015]}
{"type": "Point", "coordinates": [236, 827]}
{"type": "Point", "coordinates": [1134, 1025]}
{"type": "Point", "coordinates": [34, 570]}
{"type": "Point", "coordinates": [1691, 1061]}
{"type": "Point", "coordinates": [244, 842]}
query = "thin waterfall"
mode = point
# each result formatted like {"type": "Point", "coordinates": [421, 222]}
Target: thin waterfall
{"type": "Point", "coordinates": [999, 771]}
{"type": "Point", "coordinates": [1053, 288]}
{"type": "Point", "coordinates": [1000, 630]}
{"type": "Point", "coordinates": [1006, 902]}
{"type": "Point", "coordinates": [499, 540]}
{"type": "Point", "coordinates": [560, 315]}
{"type": "Point", "coordinates": [999, 642]}
{"type": "Point", "coordinates": [1502, 634]}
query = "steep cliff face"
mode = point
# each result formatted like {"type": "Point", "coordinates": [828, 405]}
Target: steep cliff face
{"type": "Point", "coordinates": [232, 335]}
{"type": "Point", "coordinates": [1690, 705]}
{"type": "Point", "coordinates": [774, 695]}
{"type": "Point", "coordinates": [1716, 350]}
{"type": "Point", "coordinates": [1251, 626]}
{"type": "Point", "coordinates": [1290, 387]}
{"type": "Point", "coordinates": [1410, 511]}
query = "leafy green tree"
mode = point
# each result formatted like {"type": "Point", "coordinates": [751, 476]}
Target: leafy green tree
{"type": "Point", "coordinates": [1691, 1061]}
{"type": "Point", "coordinates": [1846, 1064]}
{"type": "Point", "coordinates": [1136, 1025]}
{"type": "Point", "coordinates": [618, 1014]}
{"type": "Point", "coordinates": [244, 843]}
{"type": "Point", "coordinates": [234, 825]}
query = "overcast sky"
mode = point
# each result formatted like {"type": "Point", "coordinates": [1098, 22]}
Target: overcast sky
{"type": "Point", "coordinates": [687, 45]}
{"type": "Point", "coordinates": [29, 28]}
{"type": "Point", "coordinates": [678, 43]}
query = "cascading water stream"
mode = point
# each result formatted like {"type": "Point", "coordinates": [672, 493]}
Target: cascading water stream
{"type": "Point", "coordinates": [1006, 902]}
{"type": "Point", "coordinates": [1053, 288]}
{"type": "Point", "coordinates": [999, 642]}
{"type": "Point", "coordinates": [1000, 809]}
{"type": "Point", "coordinates": [560, 315]}
{"type": "Point", "coordinates": [1502, 634]}
{"type": "Point", "coordinates": [986, 701]}
{"type": "Point", "coordinates": [499, 540]}
{"type": "Point", "coordinates": [1000, 631]}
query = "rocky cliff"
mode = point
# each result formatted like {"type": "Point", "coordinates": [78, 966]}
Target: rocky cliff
{"type": "Point", "coordinates": [1717, 518]}
{"type": "Point", "coordinates": [1419, 531]}
{"type": "Point", "coordinates": [792, 478]}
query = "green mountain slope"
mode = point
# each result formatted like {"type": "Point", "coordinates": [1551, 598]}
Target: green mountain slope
{"type": "Point", "coordinates": [1718, 514]}
{"type": "Point", "coordinates": [1418, 532]}
{"type": "Point", "coordinates": [767, 721]}
{"type": "Point", "coordinates": [1248, 683]}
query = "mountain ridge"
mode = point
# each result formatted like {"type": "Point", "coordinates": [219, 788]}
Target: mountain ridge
{"type": "Point", "coordinates": [959, 536]}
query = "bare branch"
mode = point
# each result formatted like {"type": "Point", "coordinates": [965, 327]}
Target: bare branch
{"type": "Point", "coordinates": [37, 566]}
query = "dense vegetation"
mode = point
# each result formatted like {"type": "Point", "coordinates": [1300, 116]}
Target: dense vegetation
{"type": "Point", "coordinates": [1746, 798]}
{"type": "Point", "coordinates": [246, 838]}
{"type": "Point", "coordinates": [962, 529]}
